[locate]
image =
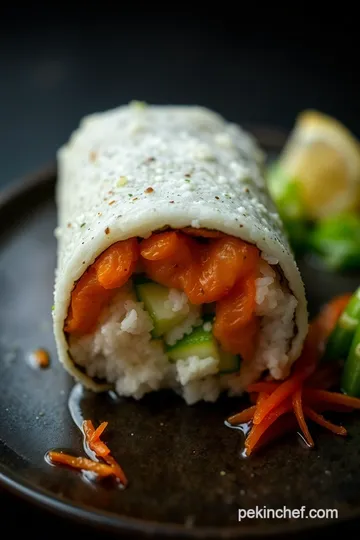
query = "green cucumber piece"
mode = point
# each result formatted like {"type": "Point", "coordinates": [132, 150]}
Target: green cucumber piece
{"type": "Point", "coordinates": [229, 363]}
{"type": "Point", "coordinates": [350, 380]}
{"type": "Point", "coordinates": [201, 343]}
{"type": "Point", "coordinates": [339, 342]}
{"type": "Point", "coordinates": [154, 297]}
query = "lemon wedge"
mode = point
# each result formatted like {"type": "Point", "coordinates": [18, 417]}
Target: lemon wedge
{"type": "Point", "coordinates": [323, 158]}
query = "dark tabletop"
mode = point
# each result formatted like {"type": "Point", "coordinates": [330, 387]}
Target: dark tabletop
{"type": "Point", "coordinates": [57, 66]}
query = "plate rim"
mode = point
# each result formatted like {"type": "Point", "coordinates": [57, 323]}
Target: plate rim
{"type": "Point", "coordinates": [269, 138]}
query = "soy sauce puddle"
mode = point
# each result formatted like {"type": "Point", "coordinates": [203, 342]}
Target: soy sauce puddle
{"type": "Point", "coordinates": [76, 397]}
{"type": "Point", "coordinates": [244, 428]}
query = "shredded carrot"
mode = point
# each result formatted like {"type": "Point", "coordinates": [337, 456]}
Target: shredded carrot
{"type": "Point", "coordinates": [243, 416]}
{"type": "Point", "coordinates": [319, 419]}
{"type": "Point", "coordinates": [117, 470]}
{"type": "Point", "coordinates": [299, 413]}
{"type": "Point", "coordinates": [304, 393]}
{"type": "Point", "coordinates": [99, 431]}
{"type": "Point", "coordinates": [259, 429]}
{"type": "Point", "coordinates": [261, 397]}
{"type": "Point", "coordinates": [82, 463]}
{"type": "Point", "coordinates": [284, 390]}
{"type": "Point", "coordinates": [92, 438]}
{"type": "Point", "coordinates": [333, 397]}
{"type": "Point", "coordinates": [283, 425]}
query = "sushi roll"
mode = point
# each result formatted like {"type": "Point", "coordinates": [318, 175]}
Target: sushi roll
{"type": "Point", "coordinates": [173, 269]}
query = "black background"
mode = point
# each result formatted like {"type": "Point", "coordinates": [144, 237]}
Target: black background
{"type": "Point", "coordinates": [255, 65]}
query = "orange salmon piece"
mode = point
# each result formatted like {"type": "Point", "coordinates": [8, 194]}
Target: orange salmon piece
{"type": "Point", "coordinates": [161, 246]}
{"type": "Point", "coordinates": [87, 301]}
{"type": "Point", "coordinates": [115, 266]}
{"type": "Point", "coordinates": [236, 326]}
{"type": "Point", "coordinates": [170, 271]}
{"type": "Point", "coordinates": [219, 265]}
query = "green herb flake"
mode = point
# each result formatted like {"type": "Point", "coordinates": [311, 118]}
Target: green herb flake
{"type": "Point", "coordinates": [82, 225]}
{"type": "Point", "coordinates": [130, 194]}
{"type": "Point", "coordinates": [139, 105]}
{"type": "Point", "coordinates": [53, 307]}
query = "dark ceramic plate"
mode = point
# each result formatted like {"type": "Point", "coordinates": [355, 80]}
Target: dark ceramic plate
{"type": "Point", "coordinates": [187, 477]}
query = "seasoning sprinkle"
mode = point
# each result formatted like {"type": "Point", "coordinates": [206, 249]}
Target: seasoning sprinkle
{"type": "Point", "coordinates": [92, 156]}
{"type": "Point", "coordinates": [107, 230]}
{"type": "Point", "coordinates": [149, 159]}
{"type": "Point", "coordinates": [122, 181]}
{"type": "Point", "coordinates": [111, 202]}
{"type": "Point", "coordinates": [149, 190]}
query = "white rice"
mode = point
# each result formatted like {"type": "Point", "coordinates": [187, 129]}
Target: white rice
{"type": "Point", "coordinates": [123, 352]}
{"type": "Point", "coordinates": [186, 327]}
{"type": "Point", "coordinates": [177, 301]}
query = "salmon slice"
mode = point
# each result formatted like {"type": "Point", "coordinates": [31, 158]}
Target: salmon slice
{"type": "Point", "coordinates": [98, 285]}
{"type": "Point", "coordinates": [221, 269]}
{"type": "Point", "coordinates": [236, 326]}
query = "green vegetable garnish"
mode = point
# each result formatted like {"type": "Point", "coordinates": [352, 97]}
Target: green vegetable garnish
{"type": "Point", "coordinates": [286, 194]}
{"type": "Point", "coordinates": [350, 382]}
{"type": "Point", "coordinates": [340, 339]}
{"type": "Point", "coordinates": [337, 241]}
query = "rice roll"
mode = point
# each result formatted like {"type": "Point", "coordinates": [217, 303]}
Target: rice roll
{"type": "Point", "coordinates": [173, 269]}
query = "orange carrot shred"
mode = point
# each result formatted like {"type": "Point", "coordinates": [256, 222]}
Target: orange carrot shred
{"type": "Point", "coordinates": [259, 429]}
{"type": "Point", "coordinates": [280, 427]}
{"type": "Point", "coordinates": [244, 416]}
{"type": "Point", "coordinates": [92, 437]}
{"type": "Point", "coordinates": [283, 391]}
{"type": "Point", "coordinates": [299, 413]}
{"type": "Point", "coordinates": [81, 463]}
{"type": "Point", "coordinates": [305, 392]}
{"type": "Point", "coordinates": [117, 470]}
{"type": "Point", "coordinates": [99, 431]}
{"type": "Point", "coordinates": [261, 397]}
{"type": "Point", "coordinates": [333, 397]}
{"type": "Point", "coordinates": [319, 419]}
{"type": "Point", "coordinates": [99, 448]}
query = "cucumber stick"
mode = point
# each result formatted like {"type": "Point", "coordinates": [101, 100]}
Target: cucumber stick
{"type": "Point", "coordinates": [201, 343]}
{"type": "Point", "coordinates": [339, 342]}
{"type": "Point", "coordinates": [156, 302]}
